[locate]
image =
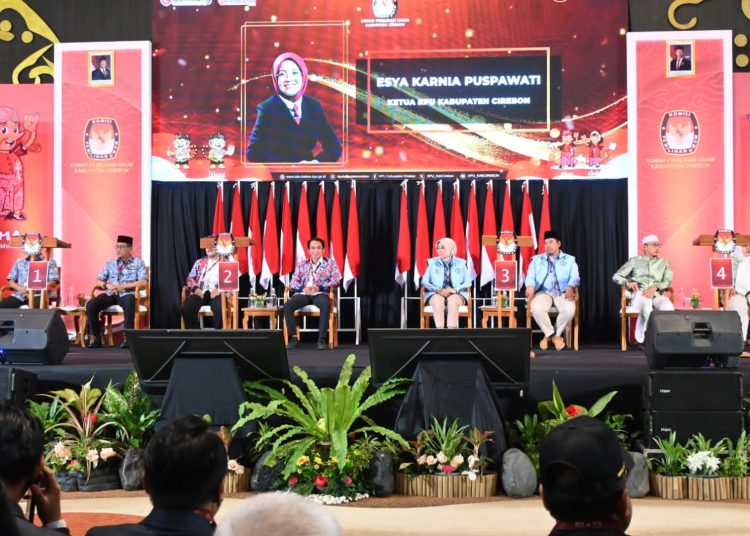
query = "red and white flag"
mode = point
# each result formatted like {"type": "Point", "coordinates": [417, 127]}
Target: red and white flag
{"type": "Point", "coordinates": [336, 248]}
{"type": "Point", "coordinates": [321, 225]}
{"type": "Point", "coordinates": [544, 223]}
{"type": "Point", "coordinates": [351, 262]}
{"type": "Point", "coordinates": [238, 227]}
{"type": "Point", "coordinates": [473, 241]}
{"type": "Point", "coordinates": [527, 229]}
{"type": "Point", "coordinates": [507, 222]}
{"type": "Point", "coordinates": [256, 251]}
{"type": "Point", "coordinates": [489, 228]}
{"type": "Point", "coordinates": [286, 260]}
{"type": "Point", "coordinates": [303, 226]}
{"type": "Point", "coordinates": [403, 251]}
{"type": "Point", "coordinates": [220, 225]}
{"type": "Point", "coordinates": [270, 243]}
{"type": "Point", "coordinates": [422, 239]}
{"type": "Point", "coordinates": [438, 229]}
{"type": "Point", "coordinates": [457, 223]}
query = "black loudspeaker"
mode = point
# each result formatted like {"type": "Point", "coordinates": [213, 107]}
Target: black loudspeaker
{"type": "Point", "coordinates": [685, 390]}
{"type": "Point", "coordinates": [16, 385]}
{"type": "Point", "coordinates": [677, 339]}
{"type": "Point", "coordinates": [714, 425]}
{"type": "Point", "coordinates": [32, 336]}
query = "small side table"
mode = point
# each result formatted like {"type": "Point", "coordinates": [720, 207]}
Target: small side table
{"type": "Point", "coordinates": [499, 313]}
{"type": "Point", "coordinates": [259, 312]}
{"type": "Point", "coordinates": [79, 321]}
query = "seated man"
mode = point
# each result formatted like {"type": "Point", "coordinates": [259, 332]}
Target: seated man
{"type": "Point", "coordinates": [185, 465]}
{"type": "Point", "coordinates": [551, 279]}
{"type": "Point", "coordinates": [311, 281]}
{"type": "Point", "coordinates": [740, 294]}
{"type": "Point", "coordinates": [646, 276]}
{"type": "Point", "coordinates": [583, 475]}
{"type": "Point", "coordinates": [18, 279]}
{"type": "Point", "coordinates": [22, 469]}
{"type": "Point", "coordinates": [119, 277]}
{"type": "Point", "coordinates": [203, 282]}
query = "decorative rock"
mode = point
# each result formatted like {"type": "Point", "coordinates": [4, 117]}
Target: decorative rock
{"type": "Point", "coordinates": [638, 476]}
{"type": "Point", "coordinates": [381, 474]}
{"type": "Point", "coordinates": [519, 475]}
{"type": "Point", "coordinates": [263, 475]}
{"type": "Point", "coordinates": [131, 469]}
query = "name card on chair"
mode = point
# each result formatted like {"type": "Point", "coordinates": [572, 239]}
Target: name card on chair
{"type": "Point", "coordinates": [722, 275]}
{"type": "Point", "coordinates": [37, 275]}
{"type": "Point", "coordinates": [229, 275]}
{"type": "Point", "coordinates": [506, 275]}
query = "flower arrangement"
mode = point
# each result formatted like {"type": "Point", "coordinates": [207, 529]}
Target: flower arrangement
{"type": "Point", "coordinates": [318, 471]}
{"type": "Point", "coordinates": [702, 463]}
{"type": "Point", "coordinates": [447, 449]}
{"type": "Point", "coordinates": [695, 299]}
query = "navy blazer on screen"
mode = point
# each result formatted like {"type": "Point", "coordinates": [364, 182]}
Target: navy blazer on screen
{"type": "Point", "coordinates": [277, 137]}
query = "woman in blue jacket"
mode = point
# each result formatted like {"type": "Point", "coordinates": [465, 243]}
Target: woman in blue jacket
{"type": "Point", "coordinates": [446, 283]}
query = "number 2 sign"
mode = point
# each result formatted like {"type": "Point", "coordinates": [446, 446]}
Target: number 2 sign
{"type": "Point", "coordinates": [229, 275]}
{"type": "Point", "coordinates": [722, 275]}
{"type": "Point", "coordinates": [37, 275]}
{"type": "Point", "coordinates": [505, 275]}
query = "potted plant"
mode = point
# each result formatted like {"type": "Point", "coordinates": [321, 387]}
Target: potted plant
{"type": "Point", "coordinates": [695, 299]}
{"type": "Point", "coordinates": [668, 479]}
{"type": "Point", "coordinates": [237, 478]}
{"type": "Point", "coordinates": [317, 424]}
{"type": "Point", "coordinates": [447, 463]}
{"type": "Point", "coordinates": [735, 466]}
{"type": "Point", "coordinates": [702, 461]}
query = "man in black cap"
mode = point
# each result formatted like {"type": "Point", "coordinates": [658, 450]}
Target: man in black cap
{"type": "Point", "coordinates": [583, 471]}
{"type": "Point", "coordinates": [551, 280]}
{"type": "Point", "coordinates": [118, 279]}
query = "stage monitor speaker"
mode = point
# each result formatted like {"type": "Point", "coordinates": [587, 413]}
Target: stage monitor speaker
{"type": "Point", "coordinates": [679, 339]}
{"type": "Point", "coordinates": [699, 390]}
{"type": "Point", "coordinates": [32, 337]}
{"type": "Point", "coordinates": [16, 385]}
{"type": "Point", "coordinates": [714, 425]}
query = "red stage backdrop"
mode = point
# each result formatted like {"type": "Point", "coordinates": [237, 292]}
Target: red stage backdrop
{"type": "Point", "coordinates": [680, 116]}
{"type": "Point", "coordinates": [26, 189]}
{"type": "Point", "coordinates": [419, 85]}
{"type": "Point", "coordinates": [102, 124]}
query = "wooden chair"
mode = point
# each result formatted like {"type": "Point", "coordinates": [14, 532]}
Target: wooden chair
{"type": "Point", "coordinates": [571, 330]}
{"type": "Point", "coordinates": [142, 308]}
{"type": "Point", "coordinates": [312, 311]}
{"type": "Point", "coordinates": [499, 312]}
{"type": "Point", "coordinates": [42, 302]}
{"type": "Point", "coordinates": [628, 313]}
{"type": "Point", "coordinates": [230, 310]}
{"type": "Point", "coordinates": [425, 311]}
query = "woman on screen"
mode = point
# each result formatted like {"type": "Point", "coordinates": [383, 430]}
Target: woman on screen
{"type": "Point", "coordinates": [446, 283]}
{"type": "Point", "coordinates": [289, 124]}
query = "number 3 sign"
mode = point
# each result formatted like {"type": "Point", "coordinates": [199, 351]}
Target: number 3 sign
{"type": "Point", "coordinates": [229, 275]}
{"type": "Point", "coordinates": [37, 275]}
{"type": "Point", "coordinates": [505, 275]}
{"type": "Point", "coordinates": [722, 275]}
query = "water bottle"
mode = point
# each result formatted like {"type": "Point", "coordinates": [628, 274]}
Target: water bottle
{"type": "Point", "coordinates": [272, 297]}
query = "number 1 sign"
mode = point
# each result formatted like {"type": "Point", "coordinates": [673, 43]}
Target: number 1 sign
{"type": "Point", "coordinates": [37, 275]}
{"type": "Point", "coordinates": [229, 275]}
{"type": "Point", "coordinates": [722, 275]}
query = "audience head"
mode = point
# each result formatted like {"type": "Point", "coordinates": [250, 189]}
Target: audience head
{"type": "Point", "coordinates": [445, 248]}
{"type": "Point", "coordinates": [551, 243]}
{"type": "Point", "coordinates": [185, 465]}
{"type": "Point", "coordinates": [315, 247]}
{"type": "Point", "coordinates": [21, 445]}
{"type": "Point", "coordinates": [651, 245]}
{"type": "Point", "coordinates": [583, 472]}
{"type": "Point", "coordinates": [280, 514]}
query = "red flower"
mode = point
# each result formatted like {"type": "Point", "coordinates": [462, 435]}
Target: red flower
{"type": "Point", "coordinates": [572, 411]}
{"type": "Point", "coordinates": [348, 481]}
{"type": "Point", "coordinates": [321, 481]}
{"type": "Point", "coordinates": [89, 419]}
{"type": "Point", "coordinates": [447, 469]}
{"type": "Point", "coordinates": [293, 481]}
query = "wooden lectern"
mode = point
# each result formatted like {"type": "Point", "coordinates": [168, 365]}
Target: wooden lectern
{"type": "Point", "coordinates": [510, 310]}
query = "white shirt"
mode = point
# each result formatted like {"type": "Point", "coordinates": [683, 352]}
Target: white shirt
{"type": "Point", "coordinates": [290, 105]}
{"type": "Point", "coordinates": [742, 278]}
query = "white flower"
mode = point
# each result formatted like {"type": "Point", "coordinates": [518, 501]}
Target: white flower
{"type": "Point", "coordinates": [472, 460]}
{"type": "Point", "coordinates": [422, 460]}
{"type": "Point", "coordinates": [107, 453]}
{"type": "Point", "coordinates": [92, 456]}
{"type": "Point", "coordinates": [702, 463]}
{"type": "Point", "coordinates": [456, 461]}
{"type": "Point", "coordinates": [431, 460]}
{"type": "Point", "coordinates": [441, 457]}
{"type": "Point", "coordinates": [471, 474]}
{"type": "Point", "coordinates": [62, 451]}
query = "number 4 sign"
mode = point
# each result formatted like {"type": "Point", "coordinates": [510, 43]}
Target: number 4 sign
{"type": "Point", "coordinates": [505, 275]}
{"type": "Point", "coordinates": [229, 275]}
{"type": "Point", "coordinates": [722, 275]}
{"type": "Point", "coordinates": [37, 275]}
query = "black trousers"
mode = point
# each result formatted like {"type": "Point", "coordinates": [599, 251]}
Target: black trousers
{"type": "Point", "coordinates": [101, 302]}
{"type": "Point", "coordinates": [11, 302]}
{"type": "Point", "coordinates": [298, 301]}
{"type": "Point", "coordinates": [192, 305]}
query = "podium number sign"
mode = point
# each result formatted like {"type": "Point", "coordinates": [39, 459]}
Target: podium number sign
{"type": "Point", "coordinates": [505, 275]}
{"type": "Point", "coordinates": [37, 275]}
{"type": "Point", "coordinates": [721, 273]}
{"type": "Point", "coordinates": [229, 275]}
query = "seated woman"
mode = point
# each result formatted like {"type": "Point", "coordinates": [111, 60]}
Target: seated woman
{"type": "Point", "coordinates": [290, 125]}
{"type": "Point", "coordinates": [446, 283]}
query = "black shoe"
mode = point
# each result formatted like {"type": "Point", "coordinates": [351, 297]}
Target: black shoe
{"type": "Point", "coordinates": [124, 345]}
{"type": "Point", "coordinates": [321, 344]}
{"type": "Point", "coordinates": [96, 343]}
{"type": "Point", "coordinates": [293, 343]}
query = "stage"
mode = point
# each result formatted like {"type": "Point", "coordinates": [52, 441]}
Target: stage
{"type": "Point", "coordinates": [581, 376]}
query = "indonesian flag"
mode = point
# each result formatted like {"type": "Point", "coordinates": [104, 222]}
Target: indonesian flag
{"type": "Point", "coordinates": [256, 250]}
{"type": "Point", "coordinates": [544, 224]}
{"type": "Point", "coordinates": [438, 229]}
{"type": "Point", "coordinates": [219, 222]}
{"type": "Point", "coordinates": [472, 234]}
{"type": "Point", "coordinates": [321, 227]}
{"type": "Point", "coordinates": [238, 227]}
{"type": "Point", "coordinates": [403, 252]}
{"type": "Point", "coordinates": [303, 226]}
{"type": "Point", "coordinates": [351, 262]}
{"type": "Point", "coordinates": [507, 222]}
{"type": "Point", "coordinates": [489, 228]}
{"type": "Point", "coordinates": [287, 240]}
{"type": "Point", "coordinates": [337, 234]}
{"type": "Point", "coordinates": [527, 229]}
{"type": "Point", "coordinates": [270, 243]}
{"type": "Point", "coordinates": [457, 223]}
{"type": "Point", "coordinates": [422, 239]}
